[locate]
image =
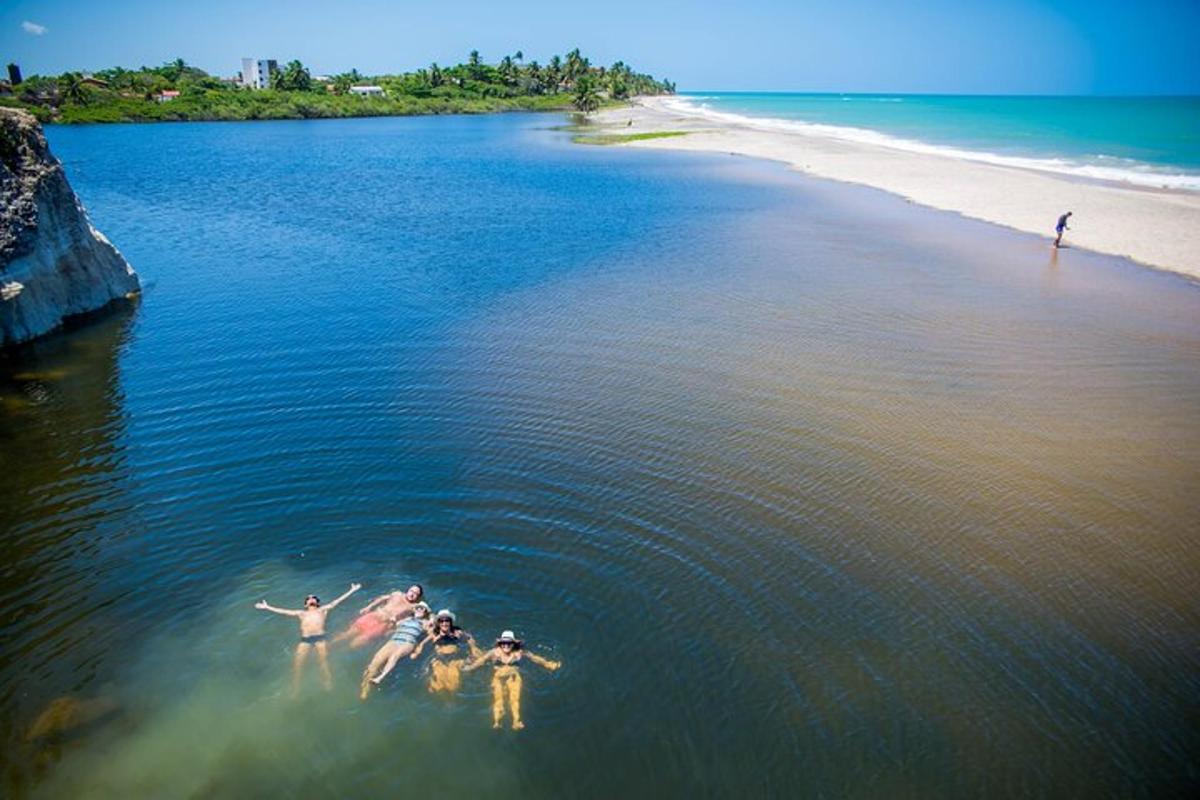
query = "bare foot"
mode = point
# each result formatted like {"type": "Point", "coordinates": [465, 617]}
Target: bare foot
{"type": "Point", "coordinates": [378, 679]}
{"type": "Point", "coordinates": [518, 726]}
{"type": "Point", "coordinates": [364, 689]}
{"type": "Point", "coordinates": [496, 725]}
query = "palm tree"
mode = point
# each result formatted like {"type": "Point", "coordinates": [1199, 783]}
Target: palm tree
{"type": "Point", "coordinates": [576, 66]}
{"type": "Point", "coordinates": [70, 87]}
{"type": "Point", "coordinates": [535, 79]}
{"type": "Point", "coordinates": [295, 77]}
{"type": "Point", "coordinates": [435, 75]}
{"type": "Point", "coordinates": [586, 99]}
{"type": "Point", "coordinates": [617, 89]}
{"type": "Point", "coordinates": [507, 69]}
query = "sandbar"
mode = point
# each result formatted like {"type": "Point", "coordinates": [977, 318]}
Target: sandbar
{"type": "Point", "coordinates": [1155, 227]}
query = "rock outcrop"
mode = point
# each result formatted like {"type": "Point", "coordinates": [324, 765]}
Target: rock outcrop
{"type": "Point", "coordinates": [53, 263]}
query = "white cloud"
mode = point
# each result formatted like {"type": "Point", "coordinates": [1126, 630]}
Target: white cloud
{"type": "Point", "coordinates": [33, 29]}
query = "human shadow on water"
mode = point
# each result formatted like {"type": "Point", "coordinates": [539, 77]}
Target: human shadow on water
{"type": "Point", "coordinates": [214, 717]}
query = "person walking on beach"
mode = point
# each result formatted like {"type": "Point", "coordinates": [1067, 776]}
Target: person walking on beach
{"type": "Point", "coordinates": [312, 634]}
{"type": "Point", "coordinates": [1060, 227]}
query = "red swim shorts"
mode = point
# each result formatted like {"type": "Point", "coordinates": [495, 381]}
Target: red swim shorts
{"type": "Point", "coordinates": [370, 626]}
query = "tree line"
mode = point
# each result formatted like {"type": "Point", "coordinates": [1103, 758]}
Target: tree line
{"type": "Point", "coordinates": [119, 94]}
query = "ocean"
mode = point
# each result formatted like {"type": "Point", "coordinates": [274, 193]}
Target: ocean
{"type": "Point", "coordinates": [1147, 141]}
{"type": "Point", "coordinates": [813, 492]}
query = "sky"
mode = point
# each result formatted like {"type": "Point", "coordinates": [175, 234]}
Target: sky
{"type": "Point", "coordinates": [935, 46]}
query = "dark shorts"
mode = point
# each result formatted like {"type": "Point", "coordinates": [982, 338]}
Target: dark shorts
{"type": "Point", "coordinates": [320, 637]}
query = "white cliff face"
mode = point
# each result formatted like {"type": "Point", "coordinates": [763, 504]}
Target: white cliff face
{"type": "Point", "coordinates": [53, 263]}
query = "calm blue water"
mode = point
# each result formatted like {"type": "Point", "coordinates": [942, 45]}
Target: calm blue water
{"type": "Point", "coordinates": [813, 492]}
{"type": "Point", "coordinates": [1147, 140]}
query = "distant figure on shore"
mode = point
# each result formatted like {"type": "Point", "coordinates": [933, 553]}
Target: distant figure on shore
{"type": "Point", "coordinates": [312, 634]}
{"type": "Point", "coordinates": [1060, 227]}
{"type": "Point", "coordinates": [452, 646]}
{"type": "Point", "coordinates": [506, 657]}
{"type": "Point", "coordinates": [378, 617]}
{"type": "Point", "coordinates": [407, 634]}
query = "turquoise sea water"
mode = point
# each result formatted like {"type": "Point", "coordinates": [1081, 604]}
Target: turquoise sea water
{"type": "Point", "coordinates": [813, 492]}
{"type": "Point", "coordinates": [1152, 141]}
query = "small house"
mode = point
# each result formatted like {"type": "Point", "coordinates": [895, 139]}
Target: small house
{"type": "Point", "coordinates": [167, 95]}
{"type": "Point", "coordinates": [367, 91]}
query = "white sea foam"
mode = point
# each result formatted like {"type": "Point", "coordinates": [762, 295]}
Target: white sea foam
{"type": "Point", "coordinates": [1099, 167]}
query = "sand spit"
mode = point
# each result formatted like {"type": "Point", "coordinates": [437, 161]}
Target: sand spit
{"type": "Point", "coordinates": [1159, 228]}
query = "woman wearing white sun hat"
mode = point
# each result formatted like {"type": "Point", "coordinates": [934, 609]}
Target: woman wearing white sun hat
{"type": "Point", "coordinates": [506, 657]}
{"type": "Point", "coordinates": [452, 646]}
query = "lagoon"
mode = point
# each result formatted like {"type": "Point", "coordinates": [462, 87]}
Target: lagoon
{"type": "Point", "coordinates": [814, 492]}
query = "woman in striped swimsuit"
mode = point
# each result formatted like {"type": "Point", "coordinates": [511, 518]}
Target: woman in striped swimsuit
{"type": "Point", "coordinates": [408, 632]}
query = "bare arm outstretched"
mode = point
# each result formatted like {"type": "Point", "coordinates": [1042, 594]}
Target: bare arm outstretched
{"type": "Point", "coordinates": [474, 648]}
{"type": "Point", "coordinates": [371, 606]}
{"type": "Point", "coordinates": [287, 612]}
{"type": "Point", "coordinates": [354, 587]}
{"type": "Point", "coordinates": [417, 652]}
{"type": "Point", "coordinates": [478, 662]}
{"type": "Point", "coordinates": [543, 662]}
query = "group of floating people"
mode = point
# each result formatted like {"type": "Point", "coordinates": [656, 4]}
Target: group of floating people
{"type": "Point", "coordinates": [409, 625]}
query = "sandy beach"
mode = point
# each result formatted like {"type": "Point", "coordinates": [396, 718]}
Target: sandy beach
{"type": "Point", "coordinates": [1158, 228]}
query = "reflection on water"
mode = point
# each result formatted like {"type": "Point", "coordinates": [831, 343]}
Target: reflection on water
{"type": "Point", "coordinates": [811, 491]}
{"type": "Point", "coordinates": [61, 494]}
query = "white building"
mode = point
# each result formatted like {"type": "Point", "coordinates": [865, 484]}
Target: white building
{"type": "Point", "coordinates": [367, 91]}
{"type": "Point", "coordinates": [257, 74]}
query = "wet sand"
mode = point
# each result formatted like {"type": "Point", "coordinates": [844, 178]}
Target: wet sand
{"type": "Point", "coordinates": [1159, 228]}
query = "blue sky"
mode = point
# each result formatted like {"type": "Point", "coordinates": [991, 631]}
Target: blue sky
{"type": "Point", "coordinates": [964, 46]}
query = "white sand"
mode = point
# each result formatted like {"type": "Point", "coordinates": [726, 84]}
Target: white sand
{"type": "Point", "coordinates": [1159, 228]}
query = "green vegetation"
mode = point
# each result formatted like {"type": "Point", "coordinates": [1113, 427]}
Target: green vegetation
{"type": "Point", "coordinates": [122, 95]}
{"type": "Point", "coordinates": [586, 98]}
{"type": "Point", "coordinates": [622, 138]}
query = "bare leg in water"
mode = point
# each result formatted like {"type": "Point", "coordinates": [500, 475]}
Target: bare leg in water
{"type": "Point", "coordinates": [506, 685]}
{"type": "Point", "coordinates": [497, 701]}
{"type": "Point", "coordinates": [298, 665]}
{"type": "Point", "coordinates": [383, 662]}
{"type": "Point", "coordinates": [514, 700]}
{"type": "Point", "coordinates": [399, 651]}
{"type": "Point", "coordinates": [323, 659]}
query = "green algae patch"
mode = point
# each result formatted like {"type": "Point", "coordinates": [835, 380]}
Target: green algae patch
{"type": "Point", "coordinates": [623, 138]}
